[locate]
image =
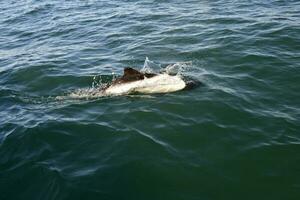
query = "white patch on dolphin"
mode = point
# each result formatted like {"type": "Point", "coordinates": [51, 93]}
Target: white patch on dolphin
{"type": "Point", "coordinates": [160, 83]}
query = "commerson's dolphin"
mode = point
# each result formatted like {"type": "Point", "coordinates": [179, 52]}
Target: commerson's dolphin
{"type": "Point", "coordinates": [134, 81]}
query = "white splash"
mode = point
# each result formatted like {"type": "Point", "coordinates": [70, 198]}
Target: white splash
{"type": "Point", "coordinates": [150, 66]}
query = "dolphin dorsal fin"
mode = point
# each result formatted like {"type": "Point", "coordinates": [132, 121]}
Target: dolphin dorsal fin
{"type": "Point", "coordinates": [131, 74]}
{"type": "Point", "coordinates": [128, 71]}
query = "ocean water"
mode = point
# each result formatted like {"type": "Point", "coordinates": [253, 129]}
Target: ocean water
{"type": "Point", "coordinates": [236, 136]}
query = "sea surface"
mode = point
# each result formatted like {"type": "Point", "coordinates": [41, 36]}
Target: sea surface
{"type": "Point", "coordinates": [235, 136]}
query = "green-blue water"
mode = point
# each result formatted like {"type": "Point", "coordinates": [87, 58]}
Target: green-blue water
{"type": "Point", "coordinates": [235, 137]}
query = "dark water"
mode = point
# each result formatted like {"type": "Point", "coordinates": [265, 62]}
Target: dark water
{"type": "Point", "coordinates": [235, 137]}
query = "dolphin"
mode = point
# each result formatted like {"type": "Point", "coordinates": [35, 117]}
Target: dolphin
{"type": "Point", "coordinates": [134, 81]}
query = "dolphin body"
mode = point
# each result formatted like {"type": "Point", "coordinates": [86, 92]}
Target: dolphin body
{"type": "Point", "coordinates": [134, 81]}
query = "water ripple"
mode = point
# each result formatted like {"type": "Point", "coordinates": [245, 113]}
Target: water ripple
{"type": "Point", "coordinates": [239, 130]}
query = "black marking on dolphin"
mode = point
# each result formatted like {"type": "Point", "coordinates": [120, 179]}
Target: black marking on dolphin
{"type": "Point", "coordinates": [131, 75]}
